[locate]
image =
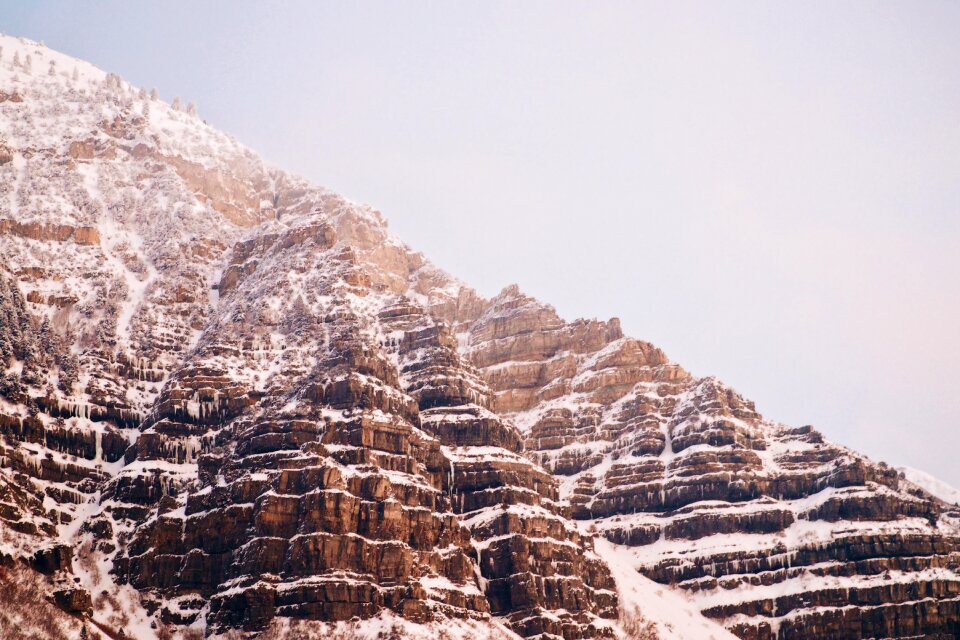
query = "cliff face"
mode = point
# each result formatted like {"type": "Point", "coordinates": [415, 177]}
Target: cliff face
{"type": "Point", "coordinates": [232, 400]}
{"type": "Point", "coordinates": [337, 458]}
{"type": "Point", "coordinates": [771, 530]}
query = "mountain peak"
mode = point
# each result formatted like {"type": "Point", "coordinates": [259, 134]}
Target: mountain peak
{"type": "Point", "coordinates": [232, 400]}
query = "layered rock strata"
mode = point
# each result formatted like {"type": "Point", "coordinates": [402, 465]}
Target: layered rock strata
{"type": "Point", "coordinates": [770, 529]}
{"type": "Point", "coordinates": [231, 400]}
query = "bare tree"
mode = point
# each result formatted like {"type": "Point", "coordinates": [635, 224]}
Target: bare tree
{"type": "Point", "coordinates": [636, 626]}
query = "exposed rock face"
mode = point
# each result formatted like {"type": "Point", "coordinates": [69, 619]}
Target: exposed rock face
{"type": "Point", "coordinates": [537, 569]}
{"type": "Point", "coordinates": [50, 232]}
{"type": "Point", "coordinates": [330, 476]}
{"type": "Point", "coordinates": [73, 600]}
{"type": "Point", "coordinates": [771, 529]}
{"type": "Point", "coordinates": [232, 400]}
{"type": "Point", "coordinates": [308, 488]}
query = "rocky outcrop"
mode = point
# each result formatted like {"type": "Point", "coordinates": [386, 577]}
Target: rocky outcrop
{"type": "Point", "coordinates": [73, 600]}
{"type": "Point", "coordinates": [52, 232]}
{"type": "Point", "coordinates": [336, 475]}
{"type": "Point", "coordinates": [539, 572]}
{"type": "Point", "coordinates": [770, 529]}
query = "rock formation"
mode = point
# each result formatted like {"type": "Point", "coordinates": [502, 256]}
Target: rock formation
{"type": "Point", "coordinates": [231, 401]}
{"type": "Point", "coordinates": [771, 530]}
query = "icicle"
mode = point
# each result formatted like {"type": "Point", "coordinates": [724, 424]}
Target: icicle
{"type": "Point", "coordinates": [453, 487]}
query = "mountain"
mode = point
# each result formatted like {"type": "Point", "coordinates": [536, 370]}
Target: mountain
{"type": "Point", "coordinates": [233, 403]}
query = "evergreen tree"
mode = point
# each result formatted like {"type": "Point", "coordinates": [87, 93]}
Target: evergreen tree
{"type": "Point", "coordinates": [11, 388]}
{"type": "Point", "coordinates": [31, 374]}
{"type": "Point", "coordinates": [6, 327]}
{"type": "Point", "coordinates": [15, 327]}
{"type": "Point", "coordinates": [48, 341]}
{"type": "Point", "coordinates": [69, 372]}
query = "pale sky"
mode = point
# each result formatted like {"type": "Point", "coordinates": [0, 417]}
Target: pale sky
{"type": "Point", "coordinates": [768, 191]}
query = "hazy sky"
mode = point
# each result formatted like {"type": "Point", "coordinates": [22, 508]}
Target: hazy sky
{"type": "Point", "coordinates": [768, 191]}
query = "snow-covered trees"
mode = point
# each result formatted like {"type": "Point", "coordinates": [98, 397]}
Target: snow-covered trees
{"type": "Point", "coordinates": [15, 335]}
{"type": "Point", "coordinates": [175, 105]}
{"type": "Point", "coordinates": [49, 342]}
{"type": "Point", "coordinates": [69, 372]}
{"type": "Point", "coordinates": [300, 319]}
{"type": "Point", "coordinates": [37, 346]}
{"type": "Point", "coordinates": [113, 81]}
{"type": "Point", "coordinates": [636, 626]}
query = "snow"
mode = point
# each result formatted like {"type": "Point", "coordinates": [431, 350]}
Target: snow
{"type": "Point", "coordinates": [112, 236]}
{"type": "Point", "coordinates": [676, 617]}
{"type": "Point", "coordinates": [808, 583]}
{"type": "Point", "coordinates": [934, 486]}
{"type": "Point", "coordinates": [441, 584]}
{"type": "Point", "coordinates": [388, 624]}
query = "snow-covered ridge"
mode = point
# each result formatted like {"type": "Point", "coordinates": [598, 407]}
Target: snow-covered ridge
{"type": "Point", "coordinates": [35, 72]}
{"type": "Point", "coordinates": [934, 486]}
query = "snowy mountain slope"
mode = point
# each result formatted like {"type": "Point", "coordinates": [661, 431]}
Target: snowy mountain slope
{"type": "Point", "coordinates": [673, 616]}
{"type": "Point", "coordinates": [770, 529]}
{"type": "Point", "coordinates": [241, 329]}
{"type": "Point", "coordinates": [934, 486]}
{"type": "Point", "coordinates": [233, 400]}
